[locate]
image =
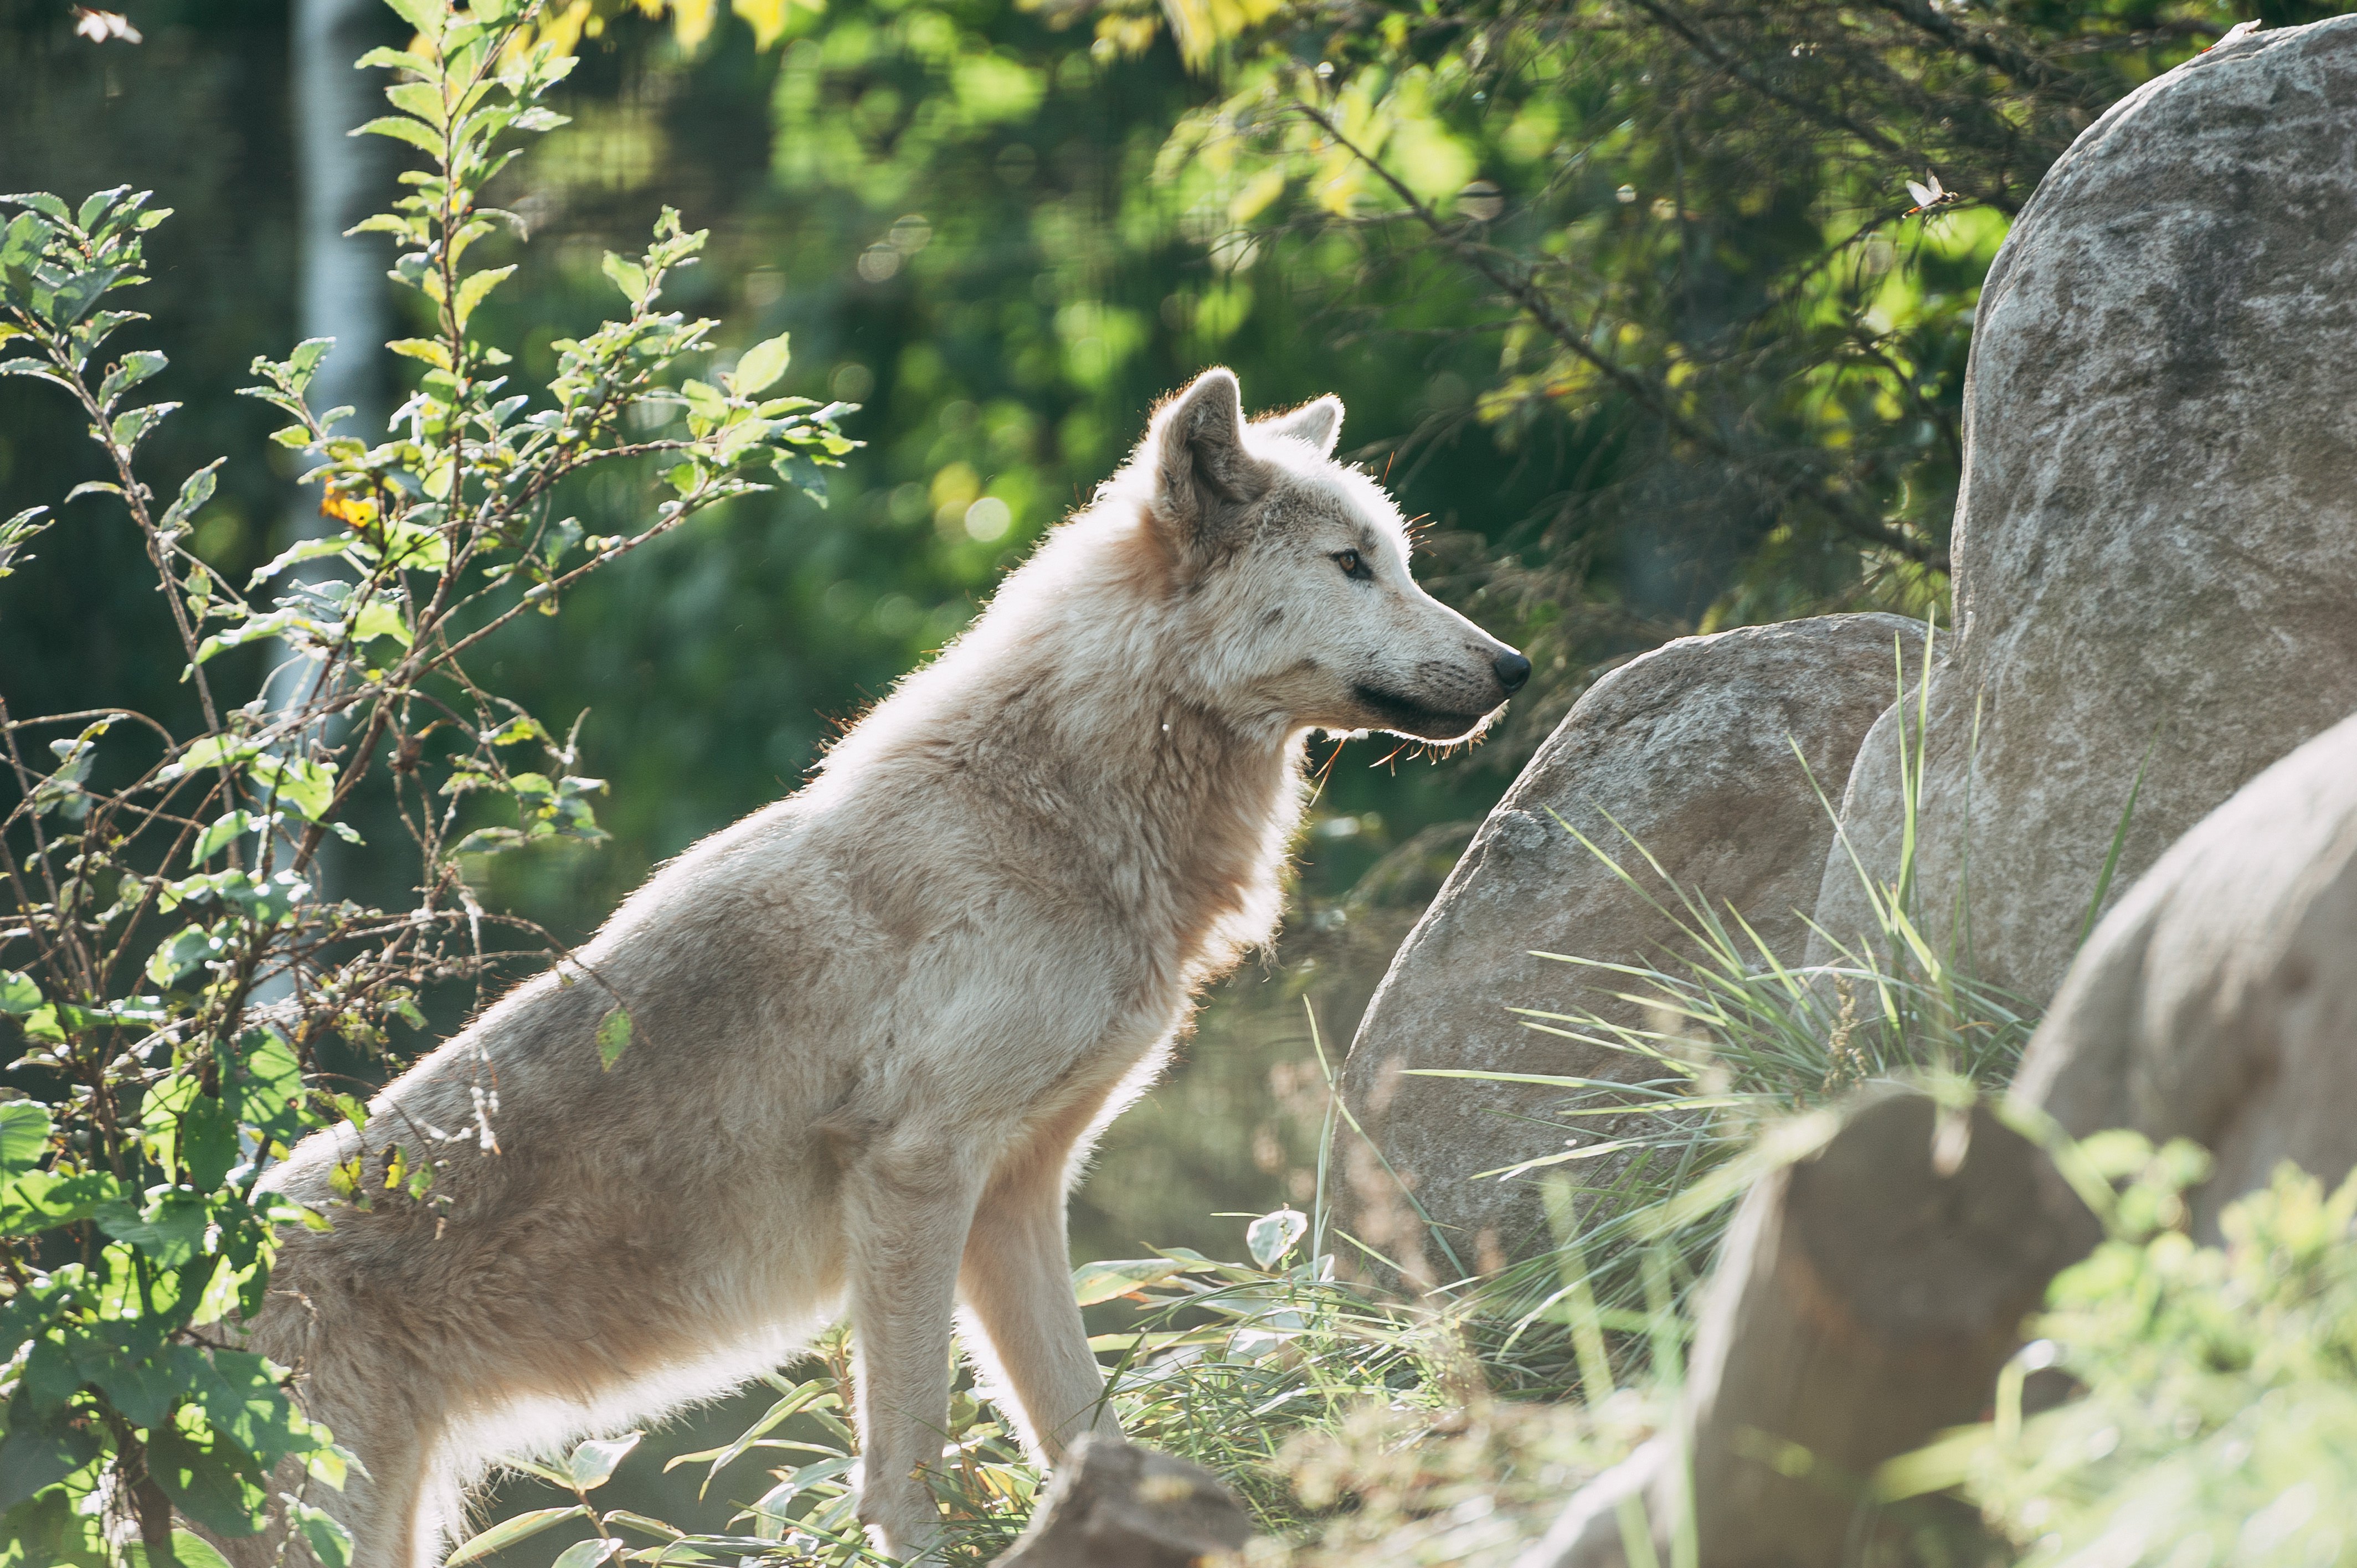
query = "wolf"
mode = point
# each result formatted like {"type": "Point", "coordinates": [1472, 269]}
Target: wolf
{"type": "Point", "coordinates": [878, 1024]}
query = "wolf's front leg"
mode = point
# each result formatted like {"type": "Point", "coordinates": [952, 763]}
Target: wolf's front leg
{"type": "Point", "coordinates": [908, 1204]}
{"type": "Point", "coordinates": [1017, 1281]}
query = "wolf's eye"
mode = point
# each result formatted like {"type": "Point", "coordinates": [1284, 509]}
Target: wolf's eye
{"type": "Point", "coordinates": [1353, 567]}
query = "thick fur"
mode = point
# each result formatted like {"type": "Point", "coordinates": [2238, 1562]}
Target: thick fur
{"type": "Point", "coordinates": [880, 1024]}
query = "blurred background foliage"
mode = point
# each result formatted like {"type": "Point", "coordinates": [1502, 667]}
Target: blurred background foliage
{"type": "Point", "coordinates": [1629, 300]}
{"type": "Point", "coordinates": [1625, 297]}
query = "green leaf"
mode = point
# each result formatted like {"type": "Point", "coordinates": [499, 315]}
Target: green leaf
{"type": "Point", "coordinates": [182, 954]}
{"type": "Point", "coordinates": [402, 128]}
{"type": "Point", "coordinates": [1093, 1283]}
{"type": "Point", "coordinates": [210, 751]}
{"type": "Point", "coordinates": [507, 1532]}
{"type": "Point", "coordinates": [22, 242]}
{"type": "Point", "coordinates": [31, 1459]}
{"type": "Point", "coordinates": [72, 299]}
{"type": "Point", "coordinates": [380, 618]}
{"type": "Point", "coordinates": [189, 1130]}
{"type": "Point", "coordinates": [191, 1551]}
{"type": "Point", "coordinates": [304, 363]}
{"type": "Point", "coordinates": [200, 1481]}
{"type": "Point", "coordinates": [42, 1200]}
{"type": "Point", "coordinates": [398, 59]}
{"type": "Point", "coordinates": [419, 101]}
{"type": "Point", "coordinates": [628, 276]}
{"type": "Point", "coordinates": [43, 201]}
{"type": "Point", "coordinates": [19, 995]}
{"type": "Point", "coordinates": [472, 289]}
{"type": "Point", "coordinates": [136, 1380]}
{"type": "Point", "coordinates": [762, 366]}
{"type": "Point", "coordinates": [295, 554]}
{"type": "Point", "coordinates": [613, 1036]}
{"type": "Point", "coordinates": [129, 372]}
{"type": "Point", "coordinates": [94, 205]}
{"type": "Point", "coordinates": [25, 1129]}
{"type": "Point", "coordinates": [591, 1464]}
{"type": "Point", "coordinates": [1272, 1236]}
{"type": "Point", "coordinates": [226, 828]}
{"type": "Point", "coordinates": [298, 782]}
{"type": "Point", "coordinates": [588, 1553]}
{"type": "Point", "coordinates": [170, 1229]}
{"type": "Point", "coordinates": [329, 1542]}
{"type": "Point", "coordinates": [131, 427]}
{"type": "Point", "coordinates": [241, 1396]}
{"type": "Point", "coordinates": [195, 491]}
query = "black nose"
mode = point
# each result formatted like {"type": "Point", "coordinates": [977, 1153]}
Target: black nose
{"type": "Point", "coordinates": [1512, 670]}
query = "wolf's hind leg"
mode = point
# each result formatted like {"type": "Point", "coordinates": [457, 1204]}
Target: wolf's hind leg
{"type": "Point", "coordinates": [906, 1211]}
{"type": "Point", "coordinates": [1018, 1283]}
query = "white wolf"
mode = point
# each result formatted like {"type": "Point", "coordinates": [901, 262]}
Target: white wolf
{"type": "Point", "coordinates": [880, 1024]}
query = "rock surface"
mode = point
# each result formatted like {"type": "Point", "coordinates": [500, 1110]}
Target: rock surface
{"type": "Point", "coordinates": [1115, 1505]}
{"type": "Point", "coordinates": [2156, 543]}
{"type": "Point", "coordinates": [1864, 1299]}
{"type": "Point", "coordinates": [2219, 1001]}
{"type": "Point", "coordinates": [1690, 749]}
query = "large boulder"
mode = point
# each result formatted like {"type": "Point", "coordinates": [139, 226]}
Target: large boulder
{"type": "Point", "coordinates": [2156, 545]}
{"type": "Point", "coordinates": [1692, 750]}
{"type": "Point", "coordinates": [2219, 1001]}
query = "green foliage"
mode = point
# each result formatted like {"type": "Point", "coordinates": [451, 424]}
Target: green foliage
{"type": "Point", "coordinates": [180, 976]}
{"type": "Point", "coordinates": [2218, 1416]}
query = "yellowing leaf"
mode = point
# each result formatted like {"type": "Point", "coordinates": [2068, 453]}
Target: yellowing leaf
{"type": "Point", "coordinates": [355, 512]}
{"type": "Point", "coordinates": [424, 349]}
{"type": "Point", "coordinates": [691, 22]}
{"type": "Point", "coordinates": [766, 18]}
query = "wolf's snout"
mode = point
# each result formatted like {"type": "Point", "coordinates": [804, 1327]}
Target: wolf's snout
{"type": "Point", "coordinates": [1513, 669]}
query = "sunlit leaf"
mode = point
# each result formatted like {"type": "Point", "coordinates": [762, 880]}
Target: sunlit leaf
{"type": "Point", "coordinates": [1093, 1283]}
{"type": "Point", "coordinates": [25, 1130]}
{"type": "Point", "coordinates": [507, 1532]}
{"type": "Point", "coordinates": [628, 276]}
{"type": "Point", "coordinates": [761, 367]}
{"type": "Point", "coordinates": [1272, 1236]}
{"type": "Point", "coordinates": [591, 1464]}
{"type": "Point", "coordinates": [19, 995]}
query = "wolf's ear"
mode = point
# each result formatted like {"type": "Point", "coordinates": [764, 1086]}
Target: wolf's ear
{"type": "Point", "coordinates": [1201, 471]}
{"type": "Point", "coordinates": [1318, 423]}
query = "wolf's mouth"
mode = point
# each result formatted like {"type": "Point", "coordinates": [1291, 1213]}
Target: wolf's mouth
{"type": "Point", "coordinates": [1411, 719]}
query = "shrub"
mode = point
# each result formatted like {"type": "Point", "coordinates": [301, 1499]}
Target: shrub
{"type": "Point", "coordinates": [174, 972]}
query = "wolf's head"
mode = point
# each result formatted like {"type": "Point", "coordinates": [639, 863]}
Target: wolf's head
{"type": "Point", "coordinates": [1293, 572]}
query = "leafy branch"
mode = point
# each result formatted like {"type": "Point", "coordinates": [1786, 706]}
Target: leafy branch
{"type": "Point", "coordinates": [173, 970]}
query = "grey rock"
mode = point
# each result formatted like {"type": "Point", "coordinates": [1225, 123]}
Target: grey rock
{"type": "Point", "coordinates": [2155, 549]}
{"type": "Point", "coordinates": [2219, 1001]}
{"type": "Point", "coordinates": [1690, 748]}
{"type": "Point", "coordinates": [1115, 1505]}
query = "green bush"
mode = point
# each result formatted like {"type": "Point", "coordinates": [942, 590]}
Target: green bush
{"type": "Point", "coordinates": [179, 986]}
{"type": "Point", "coordinates": [2212, 1417]}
